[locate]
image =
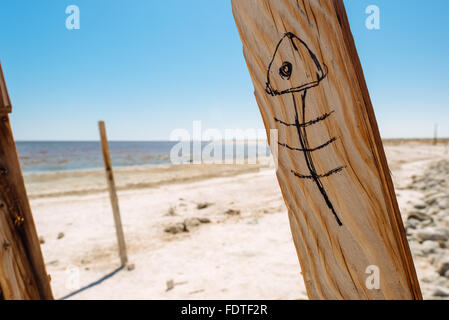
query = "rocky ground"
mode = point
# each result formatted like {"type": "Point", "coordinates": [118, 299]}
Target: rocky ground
{"type": "Point", "coordinates": [427, 226]}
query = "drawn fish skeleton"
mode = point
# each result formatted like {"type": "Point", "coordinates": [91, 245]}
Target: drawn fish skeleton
{"type": "Point", "coordinates": [299, 85]}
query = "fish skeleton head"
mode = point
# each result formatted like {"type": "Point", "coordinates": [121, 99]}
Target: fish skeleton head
{"type": "Point", "coordinates": [293, 68]}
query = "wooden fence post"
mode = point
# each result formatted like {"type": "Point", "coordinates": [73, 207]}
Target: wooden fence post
{"type": "Point", "coordinates": [333, 172]}
{"type": "Point", "coordinates": [435, 134]}
{"type": "Point", "coordinates": [113, 194]}
{"type": "Point", "coordinates": [22, 268]}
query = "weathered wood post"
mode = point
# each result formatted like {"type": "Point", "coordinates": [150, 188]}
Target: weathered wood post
{"type": "Point", "coordinates": [22, 268]}
{"type": "Point", "coordinates": [333, 172]}
{"type": "Point", "coordinates": [435, 134]}
{"type": "Point", "coordinates": [113, 194]}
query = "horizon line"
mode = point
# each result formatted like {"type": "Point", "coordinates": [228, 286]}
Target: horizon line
{"type": "Point", "coordinates": [155, 140]}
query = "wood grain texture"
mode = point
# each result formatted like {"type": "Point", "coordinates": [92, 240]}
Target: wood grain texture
{"type": "Point", "coordinates": [22, 268]}
{"type": "Point", "coordinates": [333, 172]}
{"type": "Point", "coordinates": [113, 194]}
{"type": "Point", "coordinates": [5, 103]}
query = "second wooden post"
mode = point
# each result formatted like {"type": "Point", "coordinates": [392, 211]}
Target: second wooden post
{"type": "Point", "coordinates": [113, 193]}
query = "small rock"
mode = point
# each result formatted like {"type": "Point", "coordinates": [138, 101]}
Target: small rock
{"type": "Point", "coordinates": [130, 267]}
{"type": "Point", "coordinates": [433, 234]}
{"type": "Point", "coordinates": [176, 228]}
{"type": "Point", "coordinates": [412, 223]}
{"type": "Point", "coordinates": [418, 215]}
{"type": "Point", "coordinates": [442, 212]}
{"type": "Point", "coordinates": [186, 225]}
{"type": "Point", "coordinates": [411, 234]}
{"type": "Point", "coordinates": [430, 194]}
{"type": "Point", "coordinates": [443, 266]}
{"type": "Point", "coordinates": [41, 240]}
{"type": "Point", "coordinates": [443, 203]}
{"type": "Point", "coordinates": [421, 186]}
{"type": "Point", "coordinates": [192, 222]}
{"type": "Point", "coordinates": [444, 244]}
{"type": "Point", "coordinates": [61, 235]}
{"type": "Point", "coordinates": [428, 279]}
{"type": "Point", "coordinates": [232, 212]}
{"type": "Point", "coordinates": [428, 246]}
{"type": "Point", "coordinates": [203, 205]}
{"type": "Point", "coordinates": [204, 220]}
{"type": "Point", "coordinates": [170, 285]}
{"type": "Point", "coordinates": [415, 247]}
{"type": "Point", "coordinates": [427, 223]}
{"type": "Point", "coordinates": [420, 206]}
{"type": "Point", "coordinates": [196, 291]}
{"type": "Point", "coordinates": [433, 211]}
{"type": "Point", "coordinates": [171, 211]}
{"type": "Point", "coordinates": [445, 221]}
{"type": "Point", "coordinates": [253, 221]}
{"type": "Point", "coordinates": [440, 292]}
{"type": "Point", "coordinates": [431, 200]}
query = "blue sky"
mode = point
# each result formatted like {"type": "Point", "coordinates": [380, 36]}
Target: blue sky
{"type": "Point", "coordinates": [149, 66]}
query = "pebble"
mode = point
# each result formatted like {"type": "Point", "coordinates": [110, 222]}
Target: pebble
{"type": "Point", "coordinates": [191, 222]}
{"type": "Point", "coordinates": [412, 223]}
{"type": "Point", "coordinates": [176, 228]}
{"type": "Point", "coordinates": [440, 292]}
{"type": "Point", "coordinates": [130, 267]}
{"type": "Point", "coordinates": [433, 234]}
{"type": "Point", "coordinates": [428, 246]}
{"type": "Point", "coordinates": [431, 200]}
{"type": "Point", "coordinates": [186, 225]}
{"type": "Point", "coordinates": [443, 203]}
{"type": "Point", "coordinates": [203, 205]}
{"type": "Point", "coordinates": [418, 215]}
{"type": "Point", "coordinates": [415, 247]}
{"type": "Point", "coordinates": [61, 235]}
{"type": "Point", "coordinates": [232, 212]}
{"type": "Point", "coordinates": [445, 221]}
{"type": "Point", "coordinates": [420, 206]}
{"type": "Point", "coordinates": [433, 211]}
{"type": "Point", "coordinates": [253, 221]}
{"type": "Point", "coordinates": [443, 266]}
{"type": "Point", "coordinates": [170, 285]}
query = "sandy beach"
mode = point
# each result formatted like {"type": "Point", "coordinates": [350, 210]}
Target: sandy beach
{"type": "Point", "coordinates": [228, 238]}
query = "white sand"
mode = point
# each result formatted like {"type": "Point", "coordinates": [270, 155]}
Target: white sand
{"type": "Point", "coordinates": [248, 256]}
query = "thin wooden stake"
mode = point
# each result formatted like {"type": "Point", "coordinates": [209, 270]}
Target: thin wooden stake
{"type": "Point", "coordinates": [435, 135]}
{"type": "Point", "coordinates": [113, 194]}
{"type": "Point", "coordinates": [333, 172]}
{"type": "Point", "coordinates": [22, 267]}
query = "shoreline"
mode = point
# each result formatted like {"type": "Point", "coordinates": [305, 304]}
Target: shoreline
{"type": "Point", "coordinates": [386, 142]}
{"type": "Point", "coordinates": [92, 181]}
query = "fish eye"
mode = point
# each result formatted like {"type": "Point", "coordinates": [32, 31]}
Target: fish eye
{"type": "Point", "coordinates": [285, 71]}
